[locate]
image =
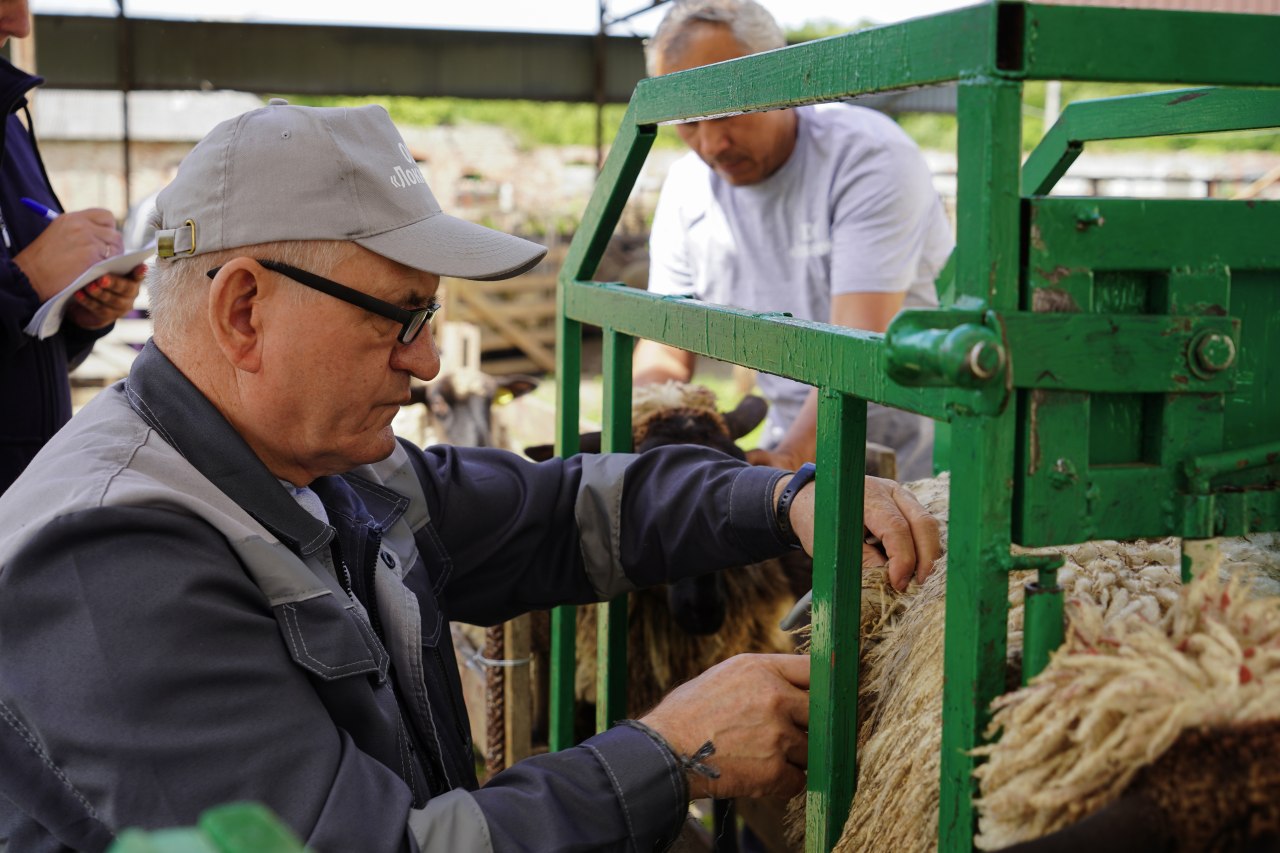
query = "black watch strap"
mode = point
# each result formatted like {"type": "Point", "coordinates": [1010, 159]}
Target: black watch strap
{"type": "Point", "coordinates": [782, 513]}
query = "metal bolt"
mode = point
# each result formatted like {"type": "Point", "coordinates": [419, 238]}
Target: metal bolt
{"type": "Point", "coordinates": [1087, 217]}
{"type": "Point", "coordinates": [985, 359]}
{"type": "Point", "coordinates": [1063, 474]}
{"type": "Point", "coordinates": [1215, 352]}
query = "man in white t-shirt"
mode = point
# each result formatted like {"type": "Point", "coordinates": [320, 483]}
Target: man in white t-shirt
{"type": "Point", "coordinates": [827, 212]}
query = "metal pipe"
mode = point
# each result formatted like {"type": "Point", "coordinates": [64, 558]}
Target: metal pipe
{"type": "Point", "coordinates": [1042, 628]}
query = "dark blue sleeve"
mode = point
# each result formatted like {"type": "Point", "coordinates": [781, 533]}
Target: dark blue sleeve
{"type": "Point", "coordinates": [18, 304]}
{"type": "Point", "coordinates": [511, 528]}
{"type": "Point", "coordinates": [616, 791]}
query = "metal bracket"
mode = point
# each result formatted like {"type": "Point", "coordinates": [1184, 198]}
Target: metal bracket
{"type": "Point", "coordinates": [961, 348]}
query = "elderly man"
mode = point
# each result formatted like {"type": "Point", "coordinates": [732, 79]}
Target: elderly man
{"type": "Point", "coordinates": [827, 212]}
{"type": "Point", "coordinates": [227, 580]}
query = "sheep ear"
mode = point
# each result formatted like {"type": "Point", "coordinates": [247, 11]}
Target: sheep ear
{"type": "Point", "coordinates": [517, 384]}
{"type": "Point", "coordinates": [746, 417]}
{"type": "Point", "coordinates": [588, 442]}
{"type": "Point", "coordinates": [540, 452]}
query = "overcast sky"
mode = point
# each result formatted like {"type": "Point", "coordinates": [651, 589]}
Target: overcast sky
{"type": "Point", "coordinates": [569, 16]}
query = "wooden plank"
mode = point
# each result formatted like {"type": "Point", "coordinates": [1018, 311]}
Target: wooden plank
{"type": "Point", "coordinates": [514, 364]}
{"type": "Point", "coordinates": [491, 340]}
{"type": "Point", "coordinates": [524, 284]}
{"type": "Point", "coordinates": [472, 675]}
{"type": "Point", "coordinates": [532, 347]}
{"type": "Point", "coordinates": [524, 311]}
{"type": "Point", "coordinates": [517, 691]}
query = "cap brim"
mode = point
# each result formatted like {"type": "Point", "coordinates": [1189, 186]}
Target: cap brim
{"type": "Point", "coordinates": [448, 246]}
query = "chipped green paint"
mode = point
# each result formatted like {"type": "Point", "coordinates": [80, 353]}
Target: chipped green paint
{"type": "Point", "coordinates": [837, 605]}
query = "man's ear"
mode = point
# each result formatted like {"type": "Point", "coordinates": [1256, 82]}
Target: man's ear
{"type": "Point", "coordinates": [235, 313]}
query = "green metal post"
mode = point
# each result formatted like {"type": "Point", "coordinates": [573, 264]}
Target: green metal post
{"type": "Point", "coordinates": [837, 603]}
{"type": "Point", "coordinates": [611, 616]}
{"type": "Point", "coordinates": [982, 449]}
{"type": "Point", "coordinates": [1199, 556]}
{"type": "Point", "coordinates": [1042, 627]}
{"type": "Point", "coordinates": [564, 619]}
{"type": "Point", "coordinates": [626, 157]}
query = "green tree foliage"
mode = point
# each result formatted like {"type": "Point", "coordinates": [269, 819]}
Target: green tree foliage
{"type": "Point", "coordinates": [821, 28]}
{"type": "Point", "coordinates": [533, 123]}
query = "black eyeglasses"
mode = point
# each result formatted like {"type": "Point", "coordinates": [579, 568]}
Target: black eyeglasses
{"type": "Point", "coordinates": [411, 322]}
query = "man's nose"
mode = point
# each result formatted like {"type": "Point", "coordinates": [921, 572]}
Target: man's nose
{"type": "Point", "coordinates": [421, 357]}
{"type": "Point", "coordinates": [713, 137]}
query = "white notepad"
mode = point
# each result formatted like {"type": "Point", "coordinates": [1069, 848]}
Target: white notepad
{"type": "Point", "coordinates": [48, 319]}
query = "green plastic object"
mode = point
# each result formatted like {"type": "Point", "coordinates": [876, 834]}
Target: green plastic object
{"type": "Point", "coordinates": [232, 828]}
{"type": "Point", "coordinates": [1105, 367]}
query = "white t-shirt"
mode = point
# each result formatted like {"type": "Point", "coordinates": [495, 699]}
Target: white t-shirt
{"type": "Point", "coordinates": [852, 210]}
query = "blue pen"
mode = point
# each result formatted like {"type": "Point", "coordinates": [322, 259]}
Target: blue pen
{"type": "Point", "coordinates": [46, 212]}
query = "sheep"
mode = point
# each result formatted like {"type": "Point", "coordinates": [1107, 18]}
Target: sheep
{"type": "Point", "coordinates": [457, 408]}
{"type": "Point", "coordinates": [900, 688]}
{"type": "Point", "coordinates": [680, 630]}
{"type": "Point", "coordinates": [1118, 696]}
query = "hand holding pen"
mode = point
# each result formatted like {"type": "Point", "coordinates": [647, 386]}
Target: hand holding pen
{"type": "Point", "coordinates": [70, 244]}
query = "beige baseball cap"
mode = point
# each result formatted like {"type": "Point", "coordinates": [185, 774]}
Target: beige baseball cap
{"type": "Point", "coordinates": [286, 172]}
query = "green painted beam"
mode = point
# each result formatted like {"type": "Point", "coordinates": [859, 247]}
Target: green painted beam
{"type": "Point", "coordinates": [982, 450]}
{"type": "Point", "coordinates": [1104, 508]}
{"type": "Point", "coordinates": [837, 604]}
{"type": "Point", "coordinates": [1074, 234]}
{"type": "Point", "coordinates": [1153, 114]}
{"type": "Point", "coordinates": [626, 157]}
{"type": "Point", "coordinates": [562, 675]}
{"type": "Point", "coordinates": [613, 187]}
{"type": "Point", "coordinates": [1147, 46]}
{"type": "Point", "coordinates": [847, 360]}
{"type": "Point", "coordinates": [912, 53]}
{"type": "Point", "coordinates": [611, 616]}
{"type": "Point", "coordinates": [1114, 353]}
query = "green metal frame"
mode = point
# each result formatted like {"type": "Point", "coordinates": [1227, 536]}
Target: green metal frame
{"type": "Point", "coordinates": [1064, 312]}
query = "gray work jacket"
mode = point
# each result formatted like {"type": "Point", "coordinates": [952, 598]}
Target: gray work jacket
{"type": "Point", "coordinates": [176, 632]}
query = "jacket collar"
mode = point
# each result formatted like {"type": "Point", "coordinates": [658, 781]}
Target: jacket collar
{"type": "Point", "coordinates": [14, 84]}
{"type": "Point", "coordinates": [185, 418]}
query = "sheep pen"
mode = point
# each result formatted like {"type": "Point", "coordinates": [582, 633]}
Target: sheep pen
{"type": "Point", "coordinates": [1125, 602]}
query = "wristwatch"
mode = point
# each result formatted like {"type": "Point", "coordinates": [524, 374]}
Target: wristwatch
{"type": "Point", "coordinates": [782, 513]}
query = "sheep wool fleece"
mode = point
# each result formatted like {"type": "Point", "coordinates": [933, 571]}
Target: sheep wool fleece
{"type": "Point", "coordinates": [176, 632]}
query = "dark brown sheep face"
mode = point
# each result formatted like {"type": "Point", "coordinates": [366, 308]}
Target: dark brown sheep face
{"type": "Point", "coordinates": [680, 426]}
{"type": "Point", "coordinates": [698, 604]}
{"type": "Point", "coordinates": [687, 426]}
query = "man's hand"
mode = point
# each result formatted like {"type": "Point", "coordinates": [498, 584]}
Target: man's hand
{"type": "Point", "coordinates": [70, 245]}
{"type": "Point", "coordinates": [106, 300]}
{"type": "Point", "coordinates": [755, 711]}
{"type": "Point", "coordinates": [908, 535]}
{"type": "Point", "coordinates": [777, 458]}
